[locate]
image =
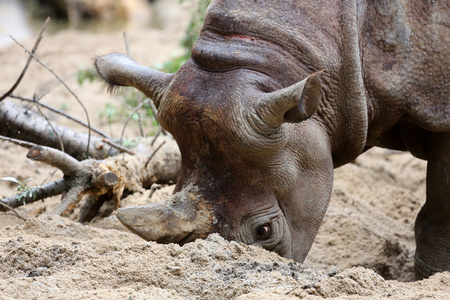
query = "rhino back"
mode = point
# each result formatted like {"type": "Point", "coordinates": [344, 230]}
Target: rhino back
{"type": "Point", "coordinates": [406, 61]}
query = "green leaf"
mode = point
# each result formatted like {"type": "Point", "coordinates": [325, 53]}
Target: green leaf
{"type": "Point", "coordinates": [86, 74]}
{"type": "Point", "coordinates": [11, 179]}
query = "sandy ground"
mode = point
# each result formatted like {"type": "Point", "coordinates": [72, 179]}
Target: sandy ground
{"type": "Point", "coordinates": [364, 249]}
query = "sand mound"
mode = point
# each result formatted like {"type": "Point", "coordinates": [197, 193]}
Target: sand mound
{"type": "Point", "coordinates": [53, 257]}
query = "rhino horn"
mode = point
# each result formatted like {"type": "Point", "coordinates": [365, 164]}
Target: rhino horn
{"type": "Point", "coordinates": [164, 223]}
{"type": "Point", "coordinates": [118, 69]}
{"type": "Point", "coordinates": [292, 104]}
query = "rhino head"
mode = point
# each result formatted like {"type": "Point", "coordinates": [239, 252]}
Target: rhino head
{"type": "Point", "coordinates": [256, 165]}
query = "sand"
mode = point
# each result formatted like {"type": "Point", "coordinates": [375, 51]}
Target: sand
{"type": "Point", "coordinates": [364, 249]}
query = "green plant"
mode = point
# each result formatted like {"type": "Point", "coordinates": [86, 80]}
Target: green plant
{"type": "Point", "coordinates": [130, 143]}
{"type": "Point", "coordinates": [110, 112]}
{"type": "Point", "coordinates": [190, 37]}
{"type": "Point", "coordinates": [64, 106]}
{"type": "Point", "coordinates": [27, 190]}
{"type": "Point", "coordinates": [86, 74]}
{"type": "Point", "coordinates": [195, 24]}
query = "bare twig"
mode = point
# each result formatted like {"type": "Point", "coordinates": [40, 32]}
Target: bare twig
{"type": "Point", "coordinates": [127, 45]}
{"type": "Point", "coordinates": [141, 130]}
{"type": "Point", "coordinates": [103, 180]}
{"type": "Point", "coordinates": [155, 114]}
{"type": "Point", "coordinates": [153, 154]}
{"type": "Point", "coordinates": [39, 96]}
{"type": "Point", "coordinates": [66, 86]}
{"type": "Point", "coordinates": [156, 136]}
{"type": "Point", "coordinates": [51, 126]}
{"type": "Point", "coordinates": [36, 44]}
{"type": "Point", "coordinates": [98, 131]}
{"type": "Point", "coordinates": [49, 175]}
{"type": "Point", "coordinates": [33, 166]}
{"type": "Point", "coordinates": [290, 291]}
{"type": "Point", "coordinates": [153, 189]}
{"type": "Point", "coordinates": [117, 146]}
{"type": "Point", "coordinates": [12, 214]}
{"type": "Point", "coordinates": [18, 142]}
{"type": "Point", "coordinates": [131, 115]}
{"type": "Point", "coordinates": [6, 207]}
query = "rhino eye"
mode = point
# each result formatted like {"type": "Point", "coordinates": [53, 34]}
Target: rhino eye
{"type": "Point", "coordinates": [263, 232]}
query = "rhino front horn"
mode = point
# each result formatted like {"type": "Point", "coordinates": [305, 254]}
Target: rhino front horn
{"type": "Point", "coordinates": [118, 69]}
{"type": "Point", "coordinates": [164, 224]}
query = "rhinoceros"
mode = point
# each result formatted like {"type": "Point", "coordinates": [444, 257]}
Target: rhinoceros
{"type": "Point", "coordinates": [279, 93]}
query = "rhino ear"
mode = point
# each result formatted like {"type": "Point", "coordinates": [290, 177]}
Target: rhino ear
{"type": "Point", "coordinates": [293, 104]}
{"type": "Point", "coordinates": [117, 69]}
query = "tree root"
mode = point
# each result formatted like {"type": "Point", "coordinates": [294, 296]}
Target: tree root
{"type": "Point", "coordinates": [101, 180]}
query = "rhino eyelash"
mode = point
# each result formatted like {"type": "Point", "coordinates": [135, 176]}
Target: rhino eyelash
{"type": "Point", "coordinates": [112, 89]}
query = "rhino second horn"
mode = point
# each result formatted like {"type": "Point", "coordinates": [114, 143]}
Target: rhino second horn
{"type": "Point", "coordinates": [118, 69]}
{"type": "Point", "coordinates": [292, 104]}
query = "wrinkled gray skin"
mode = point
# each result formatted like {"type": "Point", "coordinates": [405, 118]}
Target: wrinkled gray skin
{"type": "Point", "coordinates": [260, 130]}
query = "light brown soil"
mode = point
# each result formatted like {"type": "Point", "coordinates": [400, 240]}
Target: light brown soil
{"type": "Point", "coordinates": [364, 249]}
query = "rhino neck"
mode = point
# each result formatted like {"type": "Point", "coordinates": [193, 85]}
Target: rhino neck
{"type": "Point", "coordinates": [345, 93]}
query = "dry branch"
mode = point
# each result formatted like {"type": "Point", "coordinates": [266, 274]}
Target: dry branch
{"type": "Point", "coordinates": [96, 130]}
{"type": "Point", "coordinates": [53, 128]}
{"type": "Point", "coordinates": [34, 194]}
{"type": "Point", "coordinates": [153, 154]}
{"type": "Point", "coordinates": [118, 147]}
{"type": "Point", "coordinates": [9, 208]}
{"type": "Point", "coordinates": [18, 142]}
{"type": "Point", "coordinates": [58, 159]}
{"type": "Point", "coordinates": [19, 79]}
{"type": "Point", "coordinates": [22, 124]}
{"type": "Point", "coordinates": [104, 179]}
{"type": "Point", "coordinates": [137, 108]}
